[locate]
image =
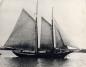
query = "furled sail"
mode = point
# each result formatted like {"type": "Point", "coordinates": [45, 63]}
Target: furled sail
{"type": "Point", "coordinates": [46, 35]}
{"type": "Point", "coordinates": [59, 40]}
{"type": "Point", "coordinates": [23, 35]}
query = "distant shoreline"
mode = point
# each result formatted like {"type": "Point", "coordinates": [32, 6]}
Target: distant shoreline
{"type": "Point", "coordinates": [83, 50]}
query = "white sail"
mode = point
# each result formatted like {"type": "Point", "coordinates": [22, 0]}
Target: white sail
{"type": "Point", "coordinates": [24, 33]}
{"type": "Point", "coordinates": [46, 35]}
{"type": "Point", "coordinates": [59, 40]}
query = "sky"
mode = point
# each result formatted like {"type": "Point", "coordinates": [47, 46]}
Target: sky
{"type": "Point", "coordinates": [69, 14]}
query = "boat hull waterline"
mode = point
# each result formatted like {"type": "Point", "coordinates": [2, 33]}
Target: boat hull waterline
{"type": "Point", "coordinates": [42, 55]}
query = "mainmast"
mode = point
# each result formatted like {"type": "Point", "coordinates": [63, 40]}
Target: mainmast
{"type": "Point", "coordinates": [53, 32]}
{"type": "Point", "coordinates": [36, 27]}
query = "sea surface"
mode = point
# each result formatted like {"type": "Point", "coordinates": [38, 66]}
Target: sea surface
{"type": "Point", "coordinates": [8, 59]}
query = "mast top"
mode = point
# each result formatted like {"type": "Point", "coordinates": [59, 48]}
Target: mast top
{"type": "Point", "coordinates": [36, 8]}
{"type": "Point", "coordinates": [52, 13]}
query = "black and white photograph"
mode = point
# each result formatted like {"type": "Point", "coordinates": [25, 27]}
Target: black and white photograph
{"type": "Point", "coordinates": [42, 33]}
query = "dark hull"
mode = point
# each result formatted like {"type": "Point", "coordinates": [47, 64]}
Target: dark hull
{"type": "Point", "coordinates": [43, 55]}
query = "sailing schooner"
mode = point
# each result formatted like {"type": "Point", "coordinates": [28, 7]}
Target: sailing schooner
{"type": "Point", "coordinates": [23, 41]}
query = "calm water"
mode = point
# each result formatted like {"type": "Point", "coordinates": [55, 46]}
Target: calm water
{"type": "Point", "coordinates": [8, 59]}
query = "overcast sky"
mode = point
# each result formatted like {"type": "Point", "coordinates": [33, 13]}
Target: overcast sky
{"type": "Point", "coordinates": [70, 15]}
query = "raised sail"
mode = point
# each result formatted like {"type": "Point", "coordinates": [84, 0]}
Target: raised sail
{"type": "Point", "coordinates": [24, 33]}
{"type": "Point", "coordinates": [59, 40]}
{"type": "Point", "coordinates": [46, 35]}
